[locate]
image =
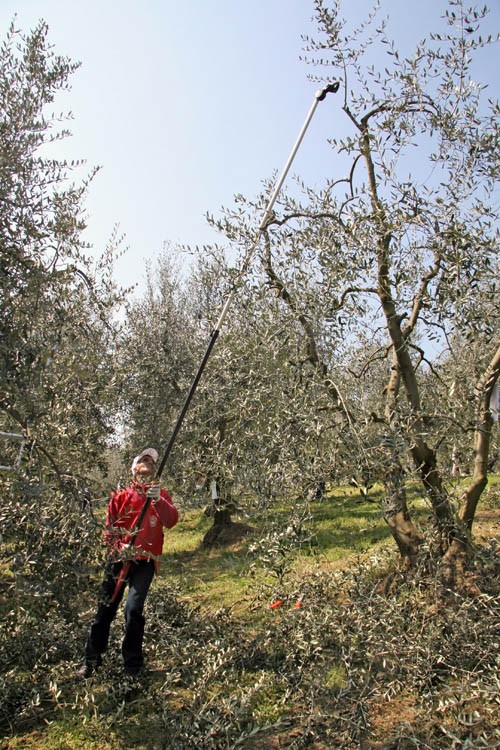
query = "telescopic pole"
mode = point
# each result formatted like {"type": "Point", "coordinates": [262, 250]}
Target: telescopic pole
{"type": "Point", "coordinates": [319, 96]}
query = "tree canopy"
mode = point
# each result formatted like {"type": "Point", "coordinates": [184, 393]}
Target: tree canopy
{"type": "Point", "coordinates": [369, 288]}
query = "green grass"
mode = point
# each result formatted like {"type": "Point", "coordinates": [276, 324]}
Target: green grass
{"type": "Point", "coordinates": [66, 736]}
{"type": "Point", "coordinates": [346, 523]}
{"type": "Point", "coordinates": [342, 524]}
{"type": "Point", "coordinates": [203, 575]}
{"type": "Point", "coordinates": [491, 495]}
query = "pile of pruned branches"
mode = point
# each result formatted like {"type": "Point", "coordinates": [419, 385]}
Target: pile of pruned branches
{"type": "Point", "coordinates": [340, 666]}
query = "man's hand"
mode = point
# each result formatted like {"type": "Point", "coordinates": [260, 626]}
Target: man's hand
{"type": "Point", "coordinates": [126, 552]}
{"type": "Point", "coordinates": [154, 492]}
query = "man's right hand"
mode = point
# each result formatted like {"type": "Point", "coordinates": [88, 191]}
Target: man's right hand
{"type": "Point", "coordinates": [154, 492]}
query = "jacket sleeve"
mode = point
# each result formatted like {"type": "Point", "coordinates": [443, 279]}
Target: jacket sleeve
{"type": "Point", "coordinates": [166, 510]}
{"type": "Point", "coordinates": [113, 532]}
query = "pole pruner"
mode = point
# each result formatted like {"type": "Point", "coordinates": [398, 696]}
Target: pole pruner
{"type": "Point", "coordinates": [319, 97]}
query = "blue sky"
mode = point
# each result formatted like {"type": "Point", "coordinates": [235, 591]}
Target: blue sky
{"type": "Point", "coordinates": [185, 104]}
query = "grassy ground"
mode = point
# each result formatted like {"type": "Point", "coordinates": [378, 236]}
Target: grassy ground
{"type": "Point", "coordinates": [333, 532]}
{"type": "Point", "coordinates": [336, 529]}
{"type": "Point", "coordinates": [330, 666]}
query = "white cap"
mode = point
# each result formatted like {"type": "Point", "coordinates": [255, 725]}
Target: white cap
{"type": "Point", "coordinates": [146, 452]}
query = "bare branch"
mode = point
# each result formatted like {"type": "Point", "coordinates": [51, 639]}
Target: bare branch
{"type": "Point", "coordinates": [311, 347]}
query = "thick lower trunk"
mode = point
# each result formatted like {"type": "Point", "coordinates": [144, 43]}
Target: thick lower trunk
{"type": "Point", "coordinates": [455, 571]}
{"type": "Point", "coordinates": [395, 510]}
{"type": "Point", "coordinates": [218, 531]}
{"type": "Point", "coordinates": [222, 517]}
{"type": "Point", "coordinates": [444, 516]}
{"type": "Point", "coordinates": [482, 440]}
{"type": "Point", "coordinates": [405, 535]}
{"type": "Point", "coordinates": [471, 497]}
{"type": "Point", "coordinates": [220, 510]}
{"type": "Point", "coordinates": [455, 564]}
{"type": "Point", "coordinates": [455, 467]}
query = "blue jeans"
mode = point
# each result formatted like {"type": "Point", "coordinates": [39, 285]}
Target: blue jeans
{"type": "Point", "coordinates": [139, 580]}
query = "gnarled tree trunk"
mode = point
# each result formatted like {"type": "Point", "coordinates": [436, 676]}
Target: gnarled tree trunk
{"type": "Point", "coordinates": [454, 563]}
{"type": "Point", "coordinates": [394, 504]}
{"type": "Point", "coordinates": [423, 456]}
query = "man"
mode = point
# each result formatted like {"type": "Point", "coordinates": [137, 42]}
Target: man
{"type": "Point", "coordinates": [134, 553]}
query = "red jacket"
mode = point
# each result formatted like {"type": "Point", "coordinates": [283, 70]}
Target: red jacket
{"type": "Point", "coordinates": [124, 510]}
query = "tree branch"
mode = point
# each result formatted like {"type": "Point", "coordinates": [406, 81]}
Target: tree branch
{"type": "Point", "coordinates": [312, 354]}
{"type": "Point", "coordinates": [484, 423]}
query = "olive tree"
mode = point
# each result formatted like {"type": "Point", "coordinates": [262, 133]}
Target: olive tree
{"type": "Point", "coordinates": [397, 256]}
{"type": "Point", "coordinates": [157, 357]}
{"type": "Point", "coordinates": [416, 237]}
{"type": "Point", "coordinates": [56, 357]}
{"type": "Point", "coordinates": [56, 307]}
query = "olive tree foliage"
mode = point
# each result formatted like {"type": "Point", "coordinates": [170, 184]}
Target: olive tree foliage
{"type": "Point", "coordinates": [56, 364]}
{"type": "Point", "coordinates": [157, 359]}
{"type": "Point", "coordinates": [395, 260]}
{"type": "Point", "coordinates": [260, 425]}
{"type": "Point", "coordinates": [56, 306]}
{"type": "Point", "coordinates": [165, 338]}
{"type": "Point", "coordinates": [248, 427]}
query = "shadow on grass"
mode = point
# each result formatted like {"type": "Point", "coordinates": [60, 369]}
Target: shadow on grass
{"type": "Point", "coordinates": [345, 521]}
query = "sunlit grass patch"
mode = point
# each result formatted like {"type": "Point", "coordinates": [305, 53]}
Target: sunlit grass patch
{"type": "Point", "coordinates": [64, 734]}
{"type": "Point", "coordinates": [209, 576]}
{"type": "Point", "coordinates": [346, 522]}
{"type": "Point", "coordinates": [188, 534]}
{"type": "Point", "coordinates": [490, 499]}
{"type": "Point", "coordinates": [335, 677]}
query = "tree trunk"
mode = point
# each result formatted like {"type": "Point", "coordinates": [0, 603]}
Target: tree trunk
{"type": "Point", "coordinates": [455, 562]}
{"type": "Point", "coordinates": [394, 504]}
{"type": "Point", "coordinates": [455, 467]}
{"type": "Point", "coordinates": [223, 530]}
{"type": "Point", "coordinates": [482, 439]}
{"type": "Point", "coordinates": [397, 517]}
{"type": "Point", "coordinates": [423, 456]}
{"type": "Point", "coordinates": [220, 510]}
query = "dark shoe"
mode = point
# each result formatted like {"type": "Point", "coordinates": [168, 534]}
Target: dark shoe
{"type": "Point", "coordinates": [133, 673]}
{"type": "Point", "coordinates": [88, 669]}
